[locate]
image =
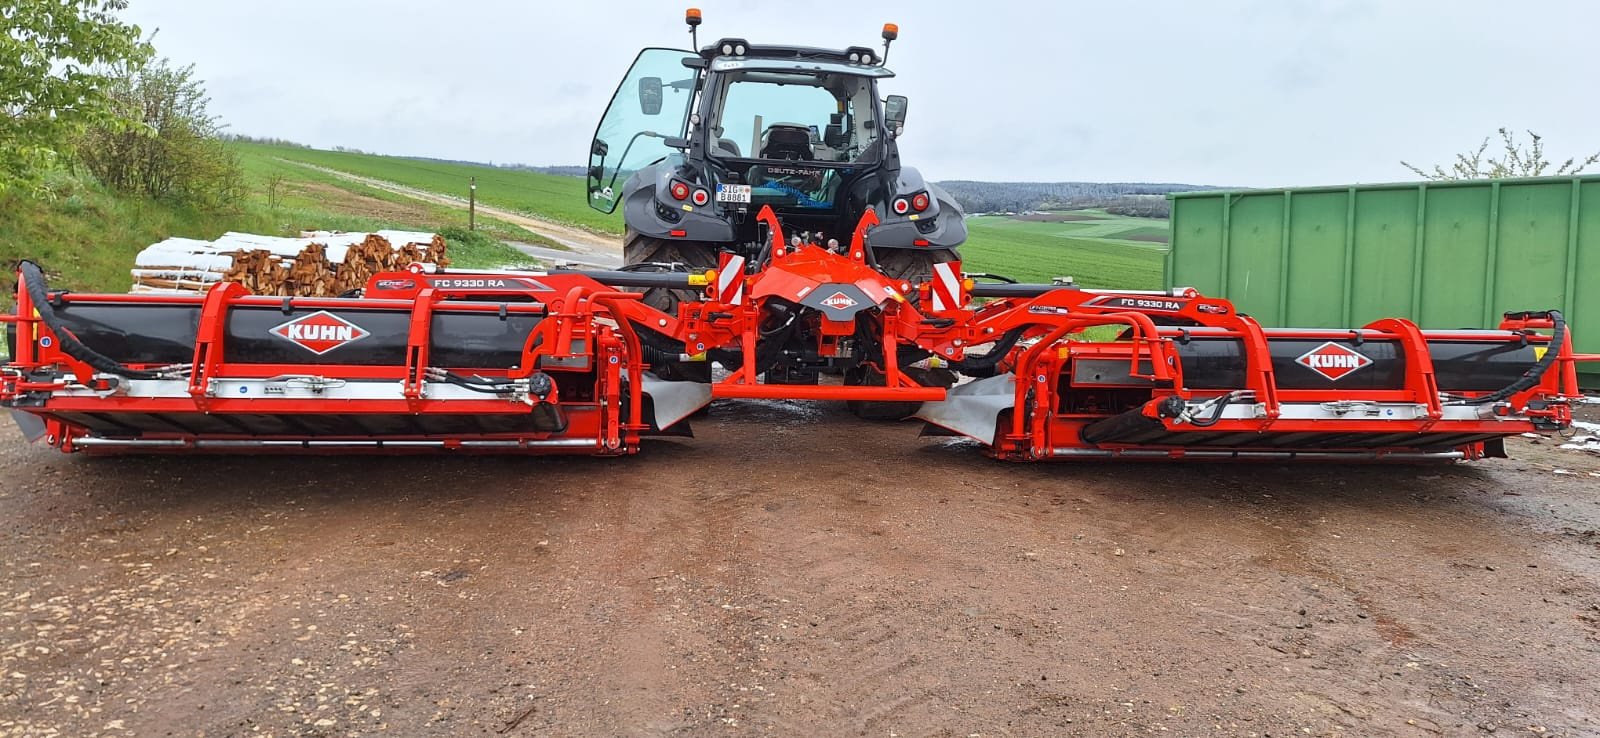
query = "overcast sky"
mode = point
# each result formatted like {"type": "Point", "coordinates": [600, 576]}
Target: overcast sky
{"type": "Point", "coordinates": [1237, 92]}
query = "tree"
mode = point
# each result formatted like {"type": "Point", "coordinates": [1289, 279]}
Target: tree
{"type": "Point", "coordinates": [1517, 160]}
{"type": "Point", "coordinates": [53, 55]}
{"type": "Point", "coordinates": [175, 151]}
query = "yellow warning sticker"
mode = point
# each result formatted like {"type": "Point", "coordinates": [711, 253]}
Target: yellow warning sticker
{"type": "Point", "coordinates": [1539, 351]}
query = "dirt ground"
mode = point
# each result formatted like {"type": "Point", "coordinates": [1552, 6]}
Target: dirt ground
{"type": "Point", "coordinates": [793, 571]}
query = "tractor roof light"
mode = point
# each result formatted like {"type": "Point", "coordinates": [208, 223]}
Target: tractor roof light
{"type": "Point", "coordinates": [890, 30]}
{"type": "Point", "coordinates": [692, 17]}
{"type": "Point", "coordinates": [732, 46]}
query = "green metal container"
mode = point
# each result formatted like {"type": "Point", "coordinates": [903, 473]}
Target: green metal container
{"type": "Point", "coordinates": [1444, 254]}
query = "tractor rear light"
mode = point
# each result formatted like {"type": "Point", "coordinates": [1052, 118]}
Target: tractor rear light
{"type": "Point", "coordinates": [680, 191]}
{"type": "Point", "coordinates": [701, 197]}
{"type": "Point", "coordinates": [919, 201]}
{"type": "Point", "coordinates": [677, 233]}
{"type": "Point", "coordinates": [901, 206]}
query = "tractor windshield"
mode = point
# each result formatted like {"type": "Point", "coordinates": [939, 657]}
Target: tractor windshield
{"type": "Point", "coordinates": [795, 116]}
{"type": "Point", "coordinates": [649, 106]}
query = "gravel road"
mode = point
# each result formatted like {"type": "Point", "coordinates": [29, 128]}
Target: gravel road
{"type": "Point", "coordinates": [794, 571]}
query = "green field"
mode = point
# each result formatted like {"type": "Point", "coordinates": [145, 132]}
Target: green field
{"type": "Point", "coordinates": [360, 207]}
{"type": "Point", "coordinates": [1095, 248]}
{"type": "Point", "coordinates": [1088, 251]}
{"type": "Point", "coordinates": [549, 196]}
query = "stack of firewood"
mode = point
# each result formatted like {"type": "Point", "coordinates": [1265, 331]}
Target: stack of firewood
{"type": "Point", "coordinates": [375, 254]}
{"type": "Point", "coordinates": [259, 271]}
{"type": "Point", "coordinates": [318, 264]}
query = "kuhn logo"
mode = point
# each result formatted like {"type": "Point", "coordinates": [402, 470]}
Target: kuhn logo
{"type": "Point", "coordinates": [1332, 360]}
{"type": "Point", "coordinates": [839, 301]}
{"type": "Point", "coordinates": [320, 332]}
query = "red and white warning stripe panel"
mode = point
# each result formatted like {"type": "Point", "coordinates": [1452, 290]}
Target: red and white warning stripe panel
{"type": "Point", "coordinates": [946, 286]}
{"type": "Point", "coordinates": [730, 280]}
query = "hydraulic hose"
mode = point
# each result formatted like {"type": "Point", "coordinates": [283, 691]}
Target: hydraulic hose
{"type": "Point", "coordinates": [769, 350]}
{"type": "Point", "coordinates": [34, 282]}
{"type": "Point", "coordinates": [984, 366]}
{"type": "Point", "coordinates": [1531, 377]}
{"type": "Point", "coordinates": [1217, 406]}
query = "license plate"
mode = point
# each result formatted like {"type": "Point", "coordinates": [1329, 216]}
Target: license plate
{"type": "Point", "coordinates": [733, 193]}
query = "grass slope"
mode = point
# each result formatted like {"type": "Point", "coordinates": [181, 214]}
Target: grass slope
{"type": "Point", "coordinates": [86, 237]}
{"type": "Point", "coordinates": [549, 196]}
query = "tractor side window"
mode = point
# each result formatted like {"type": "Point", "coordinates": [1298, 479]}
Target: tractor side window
{"type": "Point", "coordinates": [650, 105]}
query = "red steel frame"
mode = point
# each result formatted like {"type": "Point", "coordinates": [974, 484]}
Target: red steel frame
{"type": "Point", "coordinates": [590, 329]}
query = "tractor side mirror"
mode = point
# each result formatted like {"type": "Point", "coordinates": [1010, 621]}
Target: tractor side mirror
{"type": "Point", "coordinates": [650, 95]}
{"type": "Point", "coordinates": [894, 111]}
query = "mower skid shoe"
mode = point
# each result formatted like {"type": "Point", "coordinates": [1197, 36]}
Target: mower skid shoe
{"type": "Point", "coordinates": [32, 427]}
{"type": "Point", "coordinates": [674, 400]}
{"type": "Point", "coordinates": [973, 409]}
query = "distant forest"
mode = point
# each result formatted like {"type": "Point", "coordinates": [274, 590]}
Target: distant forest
{"type": "Point", "coordinates": [1142, 199]}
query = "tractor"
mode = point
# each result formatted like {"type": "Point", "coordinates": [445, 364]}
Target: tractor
{"type": "Point", "coordinates": [700, 141]}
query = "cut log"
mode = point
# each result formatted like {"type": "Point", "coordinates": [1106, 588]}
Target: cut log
{"type": "Point", "coordinates": [318, 264]}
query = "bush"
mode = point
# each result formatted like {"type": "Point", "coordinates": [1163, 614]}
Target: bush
{"type": "Point", "coordinates": [50, 86]}
{"type": "Point", "coordinates": [176, 152]}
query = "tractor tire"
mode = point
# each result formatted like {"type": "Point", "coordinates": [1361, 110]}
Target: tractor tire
{"type": "Point", "coordinates": [697, 256]}
{"type": "Point", "coordinates": [878, 410]}
{"type": "Point", "coordinates": [914, 266]}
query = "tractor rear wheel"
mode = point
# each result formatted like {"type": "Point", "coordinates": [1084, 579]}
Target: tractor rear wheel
{"type": "Point", "coordinates": [638, 251]}
{"type": "Point", "coordinates": [880, 410]}
{"type": "Point", "coordinates": [695, 256]}
{"type": "Point", "coordinates": [913, 266]}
